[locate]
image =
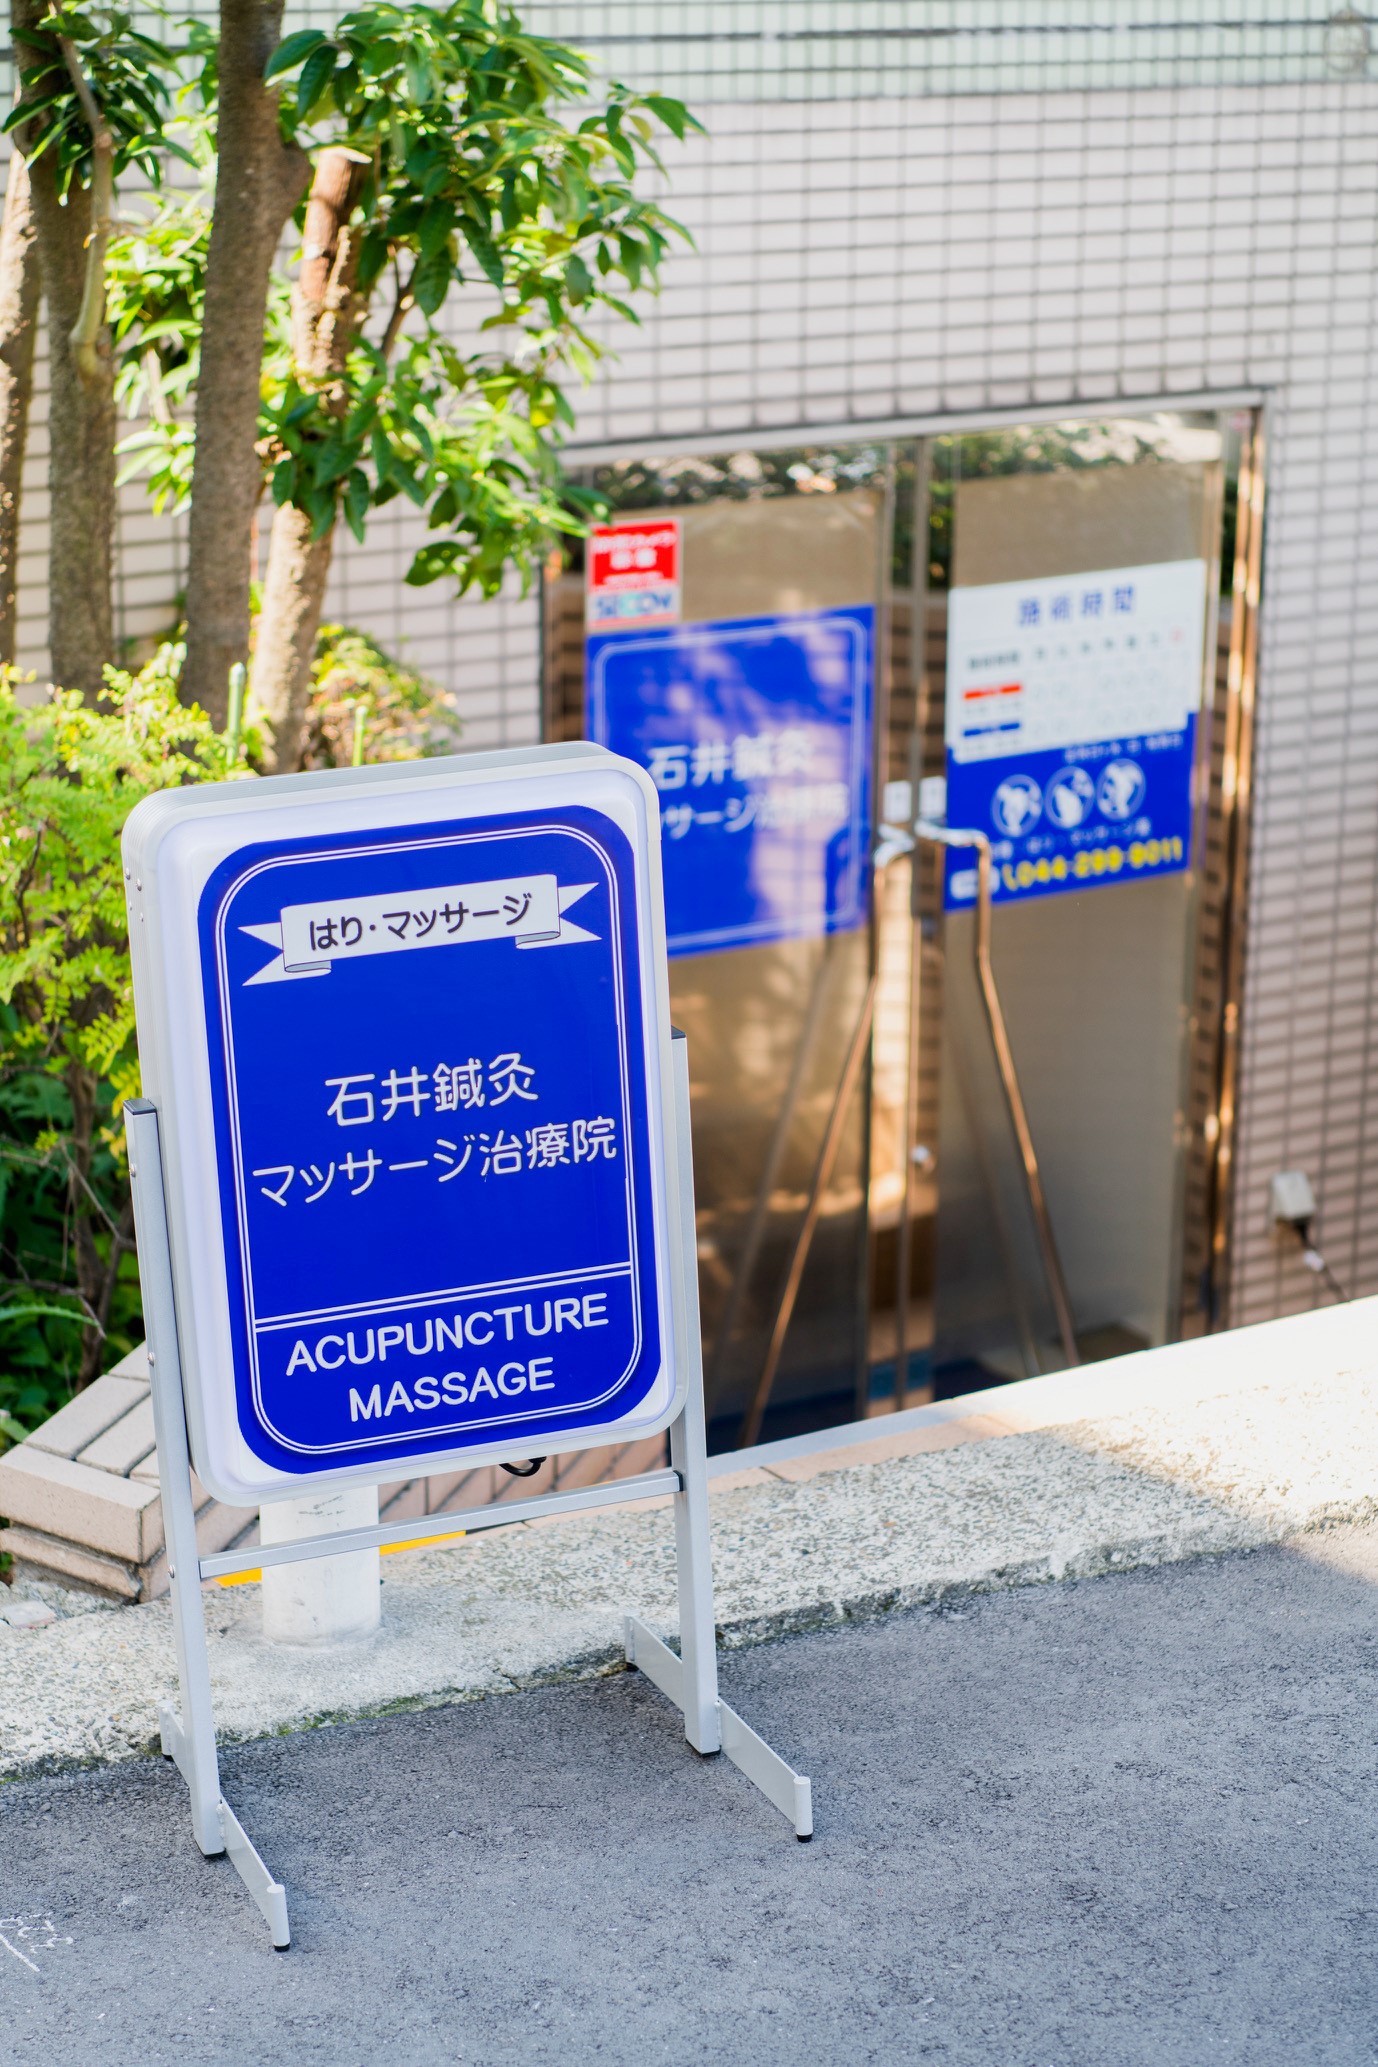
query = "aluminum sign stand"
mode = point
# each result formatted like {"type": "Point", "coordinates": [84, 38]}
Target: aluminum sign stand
{"type": "Point", "coordinates": [689, 1679]}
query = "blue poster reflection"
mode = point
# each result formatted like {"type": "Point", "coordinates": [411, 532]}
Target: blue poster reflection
{"type": "Point", "coordinates": [757, 735]}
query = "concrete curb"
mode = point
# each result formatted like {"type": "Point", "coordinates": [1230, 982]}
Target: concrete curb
{"type": "Point", "coordinates": [802, 1541]}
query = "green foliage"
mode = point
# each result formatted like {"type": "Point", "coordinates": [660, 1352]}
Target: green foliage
{"type": "Point", "coordinates": [129, 75]}
{"type": "Point", "coordinates": [473, 180]}
{"type": "Point", "coordinates": [406, 717]}
{"type": "Point", "coordinates": [472, 173]}
{"type": "Point", "coordinates": [155, 291]}
{"type": "Point", "coordinates": [45, 1328]}
{"type": "Point", "coordinates": [69, 774]}
{"type": "Point", "coordinates": [489, 171]}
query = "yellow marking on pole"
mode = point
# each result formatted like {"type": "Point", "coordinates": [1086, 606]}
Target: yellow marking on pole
{"type": "Point", "coordinates": [424, 1542]}
{"type": "Point", "coordinates": [386, 1550]}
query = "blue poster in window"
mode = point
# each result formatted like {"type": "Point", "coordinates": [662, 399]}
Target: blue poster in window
{"type": "Point", "coordinates": [428, 1079]}
{"type": "Point", "coordinates": [1071, 723]}
{"type": "Point", "coordinates": [757, 735]}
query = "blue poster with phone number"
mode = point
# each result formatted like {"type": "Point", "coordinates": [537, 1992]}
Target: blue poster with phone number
{"type": "Point", "coordinates": [1074, 817]}
{"type": "Point", "coordinates": [757, 735]}
{"type": "Point", "coordinates": [1071, 726]}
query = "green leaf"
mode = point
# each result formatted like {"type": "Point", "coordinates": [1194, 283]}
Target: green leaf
{"type": "Point", "coordinates": [319, 504]}
{"type": "Point", "coordinates": [316, 75]}
{"type": "Point", "coordinates": [375, 57]}
{"type": "Point", "coordinates": [437, 226]}
{"type": "Point", "coordinates": [356, 502]}
{"type": "Point", "coordinates": [672, 113]}
{"type": "Point", "coordinates": [480, 242]}
{"type": "Point", "coordinates": [331, 462]}
{"type": "Point", "coordinates": [373, 256]}
{"type": "Point", "coordinates": [292, 50]}
{"type": "Point", "coordinates": [58, 1313]}
{"type": "Point", "coordinates": [346, 84]}
{"type": "Point", "coordinates": [432, 563]}
{"type": "Point", "coordinates": [430, 280]}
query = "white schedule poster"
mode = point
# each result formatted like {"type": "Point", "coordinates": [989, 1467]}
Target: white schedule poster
{"type": "Point", "coordinates": [1072, 703]}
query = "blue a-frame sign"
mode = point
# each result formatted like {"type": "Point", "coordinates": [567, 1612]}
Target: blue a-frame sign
{"type": "Point", "coordinates": [408, 1040]}
{"type": "Point", "coordinates": [413, 1180]}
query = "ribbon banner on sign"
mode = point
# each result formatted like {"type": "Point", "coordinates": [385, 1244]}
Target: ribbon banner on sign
{"type": "Point", "coordinates": [526, 909]}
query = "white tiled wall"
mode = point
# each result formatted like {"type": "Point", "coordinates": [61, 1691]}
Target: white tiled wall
{"type": "Point", "coordinates": [906, 255]}
{"type": "Point", "coordinates": [921, 251]}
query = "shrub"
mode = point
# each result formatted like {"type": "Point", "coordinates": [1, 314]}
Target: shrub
{"type": "Point", "coordinates": [405, 716]}
{"type": "Point", "coordinates": [70, 773]}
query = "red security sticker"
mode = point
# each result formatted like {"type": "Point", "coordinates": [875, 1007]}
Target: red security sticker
{"type": "Point", "coordinates": [633, 575]}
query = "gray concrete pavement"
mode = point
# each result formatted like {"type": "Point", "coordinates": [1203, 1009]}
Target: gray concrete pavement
{"type": "Point", "coordinates": [1166, 1470]}
{"type": "Point", "coordinates": [1122, 1820]}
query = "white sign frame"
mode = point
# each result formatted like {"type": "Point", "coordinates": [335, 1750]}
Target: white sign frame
{"type": "Point", "coordinates": [172, 844]}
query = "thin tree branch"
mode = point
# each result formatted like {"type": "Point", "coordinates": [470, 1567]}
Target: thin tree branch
{"type": "Point", "coordinates": [84, 336]}
{"type": "Point", "coordinates": [20, 290]}
{"type": "Point", "coordinates": [121, 1241]}
{"type": "Point", "coordinates": [405, 301]}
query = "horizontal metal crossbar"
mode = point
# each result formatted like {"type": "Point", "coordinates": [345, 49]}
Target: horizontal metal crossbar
{"type": "Point", "coordinates": [867, 430]}
{"type": "Point", "coordinates": [612, 1493]}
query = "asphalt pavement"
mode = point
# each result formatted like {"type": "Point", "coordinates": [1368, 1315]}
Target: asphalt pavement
{"type": "Point", "coordinates": [1124, 1820]}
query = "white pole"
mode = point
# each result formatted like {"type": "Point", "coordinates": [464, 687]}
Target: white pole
{"type": "Point", "coordinates": [321, 1600]}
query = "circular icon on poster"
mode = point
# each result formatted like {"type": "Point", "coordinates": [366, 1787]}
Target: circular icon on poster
{"type": "Point", "coordinates": [1017, 805]}
{"type": "Point", "coordinates": [1121, 790]}
{"type": "Point", "coordinates": [1069, 797]}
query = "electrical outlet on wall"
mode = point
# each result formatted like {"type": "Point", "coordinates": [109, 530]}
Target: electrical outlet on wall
{"type": "Point", "coordinates": [1293, 1200]}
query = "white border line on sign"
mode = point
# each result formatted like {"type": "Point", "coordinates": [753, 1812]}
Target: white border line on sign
{"type": "Point", "coordinates": [495, 1423]}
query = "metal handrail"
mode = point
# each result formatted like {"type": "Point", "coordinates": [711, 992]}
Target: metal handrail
{"type": "Point", "coordinates": [896, 842]}
{"type": "Point", "coordinates": [945, 836]}
{"type": "Point", "coordinates": [823, 1170]}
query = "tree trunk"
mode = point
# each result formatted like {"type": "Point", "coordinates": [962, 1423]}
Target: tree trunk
{"type": "Point", "coordinates": [293, 598]}
{"type": "Point", "coordinates": [326, 314]}
{"type": "Point", "coordinates": [81, 430]}
{"type": "Point", "coordinates": [259, 181]}
{"type": "Point", "coordinates": [19, 295]}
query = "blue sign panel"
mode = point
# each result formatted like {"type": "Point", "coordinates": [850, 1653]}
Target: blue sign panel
{"type": "Point", "coordinates": [428, 1082]}
{"type": "Point", "coordinates": [1072, 706]}
{"type": "Point", "coordinates": [1071, 818]}
{"type": "Point", "coordinates": [757, 735]}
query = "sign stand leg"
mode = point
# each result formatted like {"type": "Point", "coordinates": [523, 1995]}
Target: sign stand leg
{"type": "Point", "coordinates": [188, 1739]}
{"type": "Point", "coordinates": [691, 1679]}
